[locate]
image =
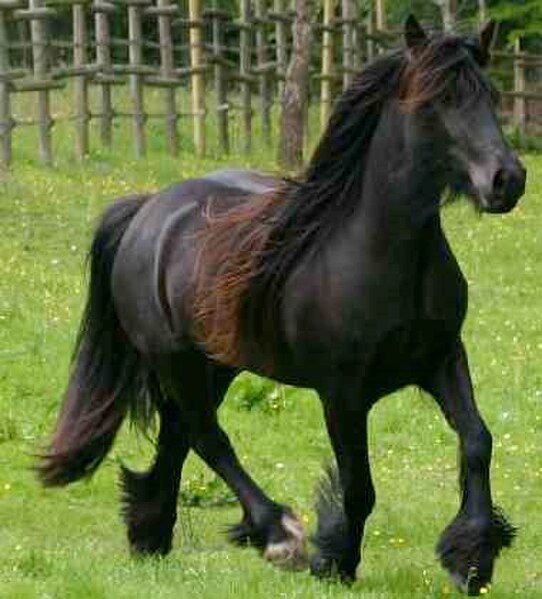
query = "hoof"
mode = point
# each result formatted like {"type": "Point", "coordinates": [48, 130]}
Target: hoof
{"type": "Point", "coordinates": [469, 547]}
{"type": "Point", "coordinates": [471, 585]}
{"type": "Point", "coordinates": [149, 522]}
{"type": "Point", "coordinates": [149, 533]}
{"type": "Point", "coordinates": [329, 569]}
{"type": "Point", "coordinates": [243, 535]}
{"type": "Point", "coordinates": [144, 543]}
{"type": "Point", "coordinates": [290, 553]}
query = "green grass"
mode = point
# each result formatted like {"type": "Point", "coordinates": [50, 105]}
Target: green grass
{"type": "Point", "coordinates": [70, 543]}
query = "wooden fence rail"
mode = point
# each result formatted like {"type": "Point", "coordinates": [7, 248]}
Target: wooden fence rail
{"type": "Point", "coordinates": [239, 60]}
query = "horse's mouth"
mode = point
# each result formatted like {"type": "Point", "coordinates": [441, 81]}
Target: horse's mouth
{"type": "Point", "coordinates": [496, 205]}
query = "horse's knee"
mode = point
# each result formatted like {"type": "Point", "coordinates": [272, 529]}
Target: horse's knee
{"type": "Point", "coordinates": [477, 448]}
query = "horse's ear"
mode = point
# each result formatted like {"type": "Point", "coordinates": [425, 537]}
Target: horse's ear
{"type": "Point", "coordinates": [415, 36]}
{"type": "Point", "coordinates": [487, 38]}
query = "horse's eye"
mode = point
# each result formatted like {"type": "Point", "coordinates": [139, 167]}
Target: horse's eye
{"type": "Point", "coordinates": [449, 99]}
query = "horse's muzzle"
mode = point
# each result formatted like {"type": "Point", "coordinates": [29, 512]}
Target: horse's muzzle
{"type": "Point", "coordinates": [508, 186]}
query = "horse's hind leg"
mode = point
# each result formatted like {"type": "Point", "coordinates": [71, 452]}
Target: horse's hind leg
{"type": "Point", "coordinates": [150, 498]}
{"type": "Point", "coordinates": [469, 545]}
{"type": "Point", "coordinates": [267, 525]}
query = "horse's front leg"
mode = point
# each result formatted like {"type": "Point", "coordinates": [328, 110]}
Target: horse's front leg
{"type": "Point", "coordinates": [469, 545]}
{"type": "Point", "coordinates": [345, 501]}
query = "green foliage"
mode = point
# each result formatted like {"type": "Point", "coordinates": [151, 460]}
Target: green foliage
{"type": "Point", "coordinates": [8, 430]}
{"type": "Point", "coordinates": [252, 392]}
{"type": "Point", "coordinates": [398, 11]}
{"type": "Point", "coordinates": [202, 491]}
{"type": "Point", "coordinates": [525, 142]}
{"type": "Point", "coordinates": [519, 19]}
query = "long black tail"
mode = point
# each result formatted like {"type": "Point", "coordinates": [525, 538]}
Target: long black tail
{"type": "Point", "coordinates": [108, 378]}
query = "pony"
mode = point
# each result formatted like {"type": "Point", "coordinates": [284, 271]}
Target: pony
{"type": "Point", "coordinates": [340, 279]}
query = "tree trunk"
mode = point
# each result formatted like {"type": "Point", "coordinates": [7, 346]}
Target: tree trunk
{"type": "Point", "coordinates": [448, 9]}
{"type": "Point", "coordinates": [483, 11]}
{"type": "Point", "coordinates": [296, 89]}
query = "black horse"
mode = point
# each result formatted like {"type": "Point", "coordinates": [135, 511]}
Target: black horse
{"type": "Point", "coordinates": [341, 280]}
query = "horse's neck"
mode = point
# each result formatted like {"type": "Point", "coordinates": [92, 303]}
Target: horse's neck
{"type": "Point", "coordinates": [401, 188]}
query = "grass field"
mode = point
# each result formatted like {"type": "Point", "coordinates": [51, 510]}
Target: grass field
{"type": "Point", "coordinates": [70, 544]}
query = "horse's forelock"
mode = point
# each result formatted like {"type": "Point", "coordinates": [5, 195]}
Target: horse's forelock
{"type": "Point", "coordinates": [449, 64]}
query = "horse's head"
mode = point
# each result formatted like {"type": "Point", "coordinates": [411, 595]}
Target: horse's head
{"type": "Point", "coordinates": [446, 91]}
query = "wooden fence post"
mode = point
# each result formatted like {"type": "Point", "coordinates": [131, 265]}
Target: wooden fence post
{"type": "Point", "coordinates": [135, 41]}
{"type": "Point", "coordinates": [327, 62]}
{"type": "Point", "coordinates": [263, 69]}
{"type": "Point", "coordinates": [281, 48]}
{"type": "Point", "coordinates": [81, 87]}
{"type": "Point", "coordinates": [6, 123]}
{"type": "Point", "coordinates": [167, 71]}
{"type": "Point", "coordinates": [348, 41]}
{"type": "Point", "coordinates": [220, 81]}
{"type": "Point", "coordinates": [40, 57]}
{"type": "Point", "coordinates": [520, 112]}
{"type": "Point", "coordinates": [380, 15]}
{"type": "Point", "coordinates": [198, 80]}
{"type": "Point", "coordinates": [103, 60]}
{"type": "Point", "coordinates": [244, 64]}
{"type": "Point", "coordinates": [369, 33]}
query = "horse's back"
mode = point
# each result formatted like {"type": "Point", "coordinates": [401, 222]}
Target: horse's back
{"type": "Point", "coordinates": [153, 271]}
{"type": "Point", "coordinates": [252, 182]}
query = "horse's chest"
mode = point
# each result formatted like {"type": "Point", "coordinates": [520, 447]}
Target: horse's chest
{"type": "Point", "coordinates": [385, 321]}
{"type": "Point", "coordinates": [407, 353]}
{"type": "Point", "coordinates": [404, 331]}
{"type": "Point", "coordinates": [417, 326]}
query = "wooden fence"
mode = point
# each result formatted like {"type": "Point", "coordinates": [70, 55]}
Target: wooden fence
{"type": "Point", "coordinates": [238, 59]}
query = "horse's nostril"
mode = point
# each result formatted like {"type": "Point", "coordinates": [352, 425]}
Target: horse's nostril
{"type": "Point", "coordinates": [499, 183]}
{"type": "Point", "coordinates": [509, 184]}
